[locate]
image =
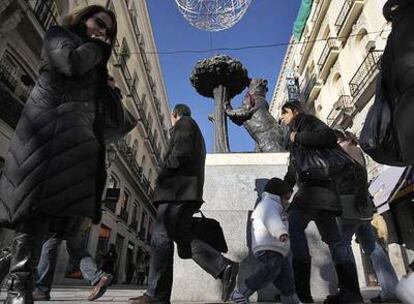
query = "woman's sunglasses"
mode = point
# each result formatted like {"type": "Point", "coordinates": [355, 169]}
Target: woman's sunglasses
{"type": "Point", "coordinates": [101, 24]}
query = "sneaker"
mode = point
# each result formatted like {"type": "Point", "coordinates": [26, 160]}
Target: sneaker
{"type": "Point", "coordinates": [145, 299]}
{"type": "Point", "coordinates": [100, 288]}
{"type": "Point", "coordinates": [39, 295]}
{"type": "Point", "coordinates": [237, 297]}
{"type": "Point", "coordinates": [229, 280]}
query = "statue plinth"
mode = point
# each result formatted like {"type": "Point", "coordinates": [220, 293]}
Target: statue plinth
{"type": "Point", "coordinates": [233, 184]}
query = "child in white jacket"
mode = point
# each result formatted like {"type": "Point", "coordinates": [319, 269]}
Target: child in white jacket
{"type": "Point", "coordinates": [270, 246]}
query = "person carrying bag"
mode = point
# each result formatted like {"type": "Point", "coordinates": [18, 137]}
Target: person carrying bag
{"type": "Point", "coordinates": [321, 169]}
{"type": "Point", "coordinates": [387, 134]}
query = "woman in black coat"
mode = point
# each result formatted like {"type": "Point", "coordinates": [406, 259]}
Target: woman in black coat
{"type": "Point", "coordinates": [318, 199]}
{"type": "Point", "coordinates": [398, 73]}
{"type": "Point", "coordinates": [55, 165]}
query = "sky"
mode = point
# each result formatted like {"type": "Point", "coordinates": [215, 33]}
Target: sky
{"type": "Point", "coordinates": [265, 22]}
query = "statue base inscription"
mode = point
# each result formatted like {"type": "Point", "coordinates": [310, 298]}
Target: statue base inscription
{"type": "Point", "coordinates": [233, 184]}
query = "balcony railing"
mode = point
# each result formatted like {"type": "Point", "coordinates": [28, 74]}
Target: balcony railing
{"type": "Point", "coordinates": [136, 169]}
{"type": "Point", "coordinates": [135, 25]}
{"type": "Point", "coordinates": [350, 11]}
{"type": "Point", "coordinates": [331, 44]}
{"type": "Point", "coordinates": [342, 106]}
{"type": "Point", "coordinates": [365, 70]}
{"type": "Point", "coordinates": [43, 10]}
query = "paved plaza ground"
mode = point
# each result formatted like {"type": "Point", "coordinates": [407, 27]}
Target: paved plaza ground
{"type": "Point", "coordinates": [119, 295]}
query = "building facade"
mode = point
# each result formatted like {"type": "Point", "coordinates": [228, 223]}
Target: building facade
{"type": "Point", "coordinates": [133, 162]}
{"type": "Point", "coordinates": [336, 62]}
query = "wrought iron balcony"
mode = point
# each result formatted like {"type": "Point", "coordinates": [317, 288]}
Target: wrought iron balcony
{"type": "Point", "coordinates": [135, 25]}
{"type": "Point", "coordinates": [44, 12]}
{"type": "Point", "coordinates": [126, 153]}
{"type": "Point", "coordinates": [328, 57]}
{"type": "Point", "coordinates": [350, 11]}
{"type": "Point", "coordinates": [341, 109]}
{"type": "Point", "coordinates": [125, 70]}
{"type": "Point", "coordinates": [367, 68]}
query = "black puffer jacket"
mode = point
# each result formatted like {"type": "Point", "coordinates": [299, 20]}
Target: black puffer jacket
{"type": "Point", "coordinates": [315, 195]}
{"type": "Point", "coordinates": [398, 74]}
{"type": "Point", "coordinates": [55, 163]}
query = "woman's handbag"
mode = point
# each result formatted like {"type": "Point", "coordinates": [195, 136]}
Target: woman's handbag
{"type": "Point", "coordinates": [209, 231]}
{"type": "Point", "coordinates": [314, 165]}
{"type": "Point", "coordinates": [378, 138]}
{"type": "Point", "coordinates": [356, 211]}
{"type": "Point", "coordinates": [118, 121]}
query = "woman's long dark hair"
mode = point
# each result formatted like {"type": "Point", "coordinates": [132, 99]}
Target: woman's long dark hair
{"type": "Point", "coordinates": [76, 21]}
{"type": "Point", "coordinates": [300, 108]}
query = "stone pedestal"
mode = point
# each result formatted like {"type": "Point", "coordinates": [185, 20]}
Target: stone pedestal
{"type": "Point", "coordinates": [233, 184]}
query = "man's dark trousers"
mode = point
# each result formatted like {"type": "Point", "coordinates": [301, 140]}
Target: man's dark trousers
{"type": "Point", "coordinates": [173, 224]}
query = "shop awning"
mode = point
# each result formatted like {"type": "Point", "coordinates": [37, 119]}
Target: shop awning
{"type": "Point", "coordinates": [384, 185]}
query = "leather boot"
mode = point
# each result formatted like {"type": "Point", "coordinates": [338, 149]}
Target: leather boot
{"type": "Point", "coordinates": [349, 292]}
{"type": "Point", "coordinates": [5, 258]}
{"type": "Point", "coordinates": [302, 272]}
{"type": "Point", "coordinates": [25, 253]}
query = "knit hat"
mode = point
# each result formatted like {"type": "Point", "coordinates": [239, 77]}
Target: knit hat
{"type": "Point", "coordinates": [277, 186]}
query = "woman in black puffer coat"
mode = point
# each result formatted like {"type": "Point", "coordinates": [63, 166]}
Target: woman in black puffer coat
{"type": "Point", "coordinates": [398, 73]}
{"type": "Point", "coordinates": [318, 199]}
{"type": "Point", "coordinates": [55, 165]}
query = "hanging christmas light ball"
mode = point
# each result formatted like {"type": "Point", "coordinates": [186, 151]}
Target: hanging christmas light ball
{"type": "Point", "coordinates": [213, 15]}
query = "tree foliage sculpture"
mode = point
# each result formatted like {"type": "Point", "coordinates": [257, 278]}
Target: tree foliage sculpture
{"type": "Point", "coordinates": [220, 77]}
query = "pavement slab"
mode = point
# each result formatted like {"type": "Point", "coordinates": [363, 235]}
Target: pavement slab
{"type": "Point", "coordinates": [121, 294]}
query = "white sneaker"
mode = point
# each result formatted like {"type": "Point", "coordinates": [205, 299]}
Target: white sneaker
{"type": "Point", "coordinates": [292, 299]}
{"type": "Point", "coordinates": [237, 297]}
{"type": "Point", "coordinates": [405, 289]}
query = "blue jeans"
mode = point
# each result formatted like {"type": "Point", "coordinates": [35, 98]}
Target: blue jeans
{"type": "Point", "coordinates": [75, 246]}
{"type": "Point", "coordinates": [272, 268]}
{"type": "Point", "coordinates": [173, 224]}
{"type": "Point", "coordinates": [387, 278]}
{"type": "Point", "coordinates": [329, 230]}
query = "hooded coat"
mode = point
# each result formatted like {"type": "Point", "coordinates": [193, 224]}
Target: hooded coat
{"type": "Point", "coordinates": [55, 164]}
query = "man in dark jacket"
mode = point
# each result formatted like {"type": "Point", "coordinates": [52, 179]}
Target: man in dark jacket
{"type": "Point", "coordinates": [178, 195]}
